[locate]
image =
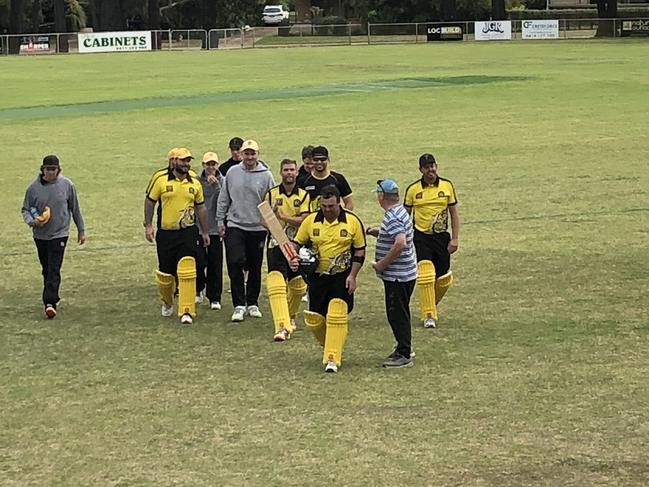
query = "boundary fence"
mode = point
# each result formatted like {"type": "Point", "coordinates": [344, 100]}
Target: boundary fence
{"type": "Point", "coordinates": [321, 35]}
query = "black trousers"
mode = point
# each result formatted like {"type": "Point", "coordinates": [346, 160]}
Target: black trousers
{"type": "Point", "coordinates": [324, 287]}
{"type": "Point", "coordinates": [244, 250]}
{"type": "Point", "coordinates": [277, 262]}
{"type": "Point", "coordinates": [433, 247]}
{"type": "Point", "coordinates": [397, 308]}
{"type": "Point", "coordinates": [50, 255]}
{"type": "Point", "coordinates": [209, 269]}
{"type": "Point", "coordinates": [173, 245]}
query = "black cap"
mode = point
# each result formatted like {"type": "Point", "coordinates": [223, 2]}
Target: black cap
{"type": "Point", "coordinates": [236, 143]}
{"type": "Point", "coordinates": [425, 159]}
{"type": "Point", "coordinates": [50, 160]}
{"type": "Point", "coordinates": [320, 152]}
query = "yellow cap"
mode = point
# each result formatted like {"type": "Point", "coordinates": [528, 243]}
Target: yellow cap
{"type": "Point", "coordinates": [172, 153]}
{"type": "Point", "coordinates": [183, 153]}
{"type": "Point", "coordinates": [251, 145]}
{"type": "Point", "coordinates": [210, 156]}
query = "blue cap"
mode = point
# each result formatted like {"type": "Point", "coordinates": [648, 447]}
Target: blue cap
{"type": "Point", "coordinates": [388, 186]}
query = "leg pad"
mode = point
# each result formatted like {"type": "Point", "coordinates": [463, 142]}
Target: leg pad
{"type": "Point", "coordinates": [426, 287]}
{"type": "Point", "coordinates": [186, 271]}
{"type": "Point", "coordinates": [337, 328]}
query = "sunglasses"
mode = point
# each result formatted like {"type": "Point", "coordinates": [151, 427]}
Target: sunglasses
{"type": "Point", "coordinates": [319, 159]}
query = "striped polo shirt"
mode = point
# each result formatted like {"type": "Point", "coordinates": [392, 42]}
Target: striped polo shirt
{"type": "Point", "coordinates": [395, 221]}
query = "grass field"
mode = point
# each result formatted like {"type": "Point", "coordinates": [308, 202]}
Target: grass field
{"type": "Point", "coordinates": [537, 374]}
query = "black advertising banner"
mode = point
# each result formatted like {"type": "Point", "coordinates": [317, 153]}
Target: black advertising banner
{"type": "Point", "coordinates": [634, 28]}
{"type": "Point", "coordinates": [444, 32]}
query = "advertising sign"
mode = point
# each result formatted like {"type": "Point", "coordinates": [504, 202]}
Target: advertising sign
{"type": "Point", "coordinates": [35, 45]}
{"type": "Point", "coordinates": [444, 32]}
{"type": "Point", "coordinates": [493, 30]}
{"type": "Point", "coordinates": [635, 28]}
{"type": "Point", "coordinates": [540, 29]}
{"type": "Point", "coordinates": [115, 41]}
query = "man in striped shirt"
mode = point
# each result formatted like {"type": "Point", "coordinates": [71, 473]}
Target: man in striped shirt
{"type": "Point", "coordinates": [396, 264]}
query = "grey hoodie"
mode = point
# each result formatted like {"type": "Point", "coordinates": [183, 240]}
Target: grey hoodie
{"type": "Point", "coordinates": [243, 190]}
{"type": "Point", "coordinates": [61, 197]}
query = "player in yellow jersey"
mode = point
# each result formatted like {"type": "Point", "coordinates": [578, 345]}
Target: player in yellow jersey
{"type": "Point", "coordinates": [180, 199]}
{"type": "Point", "coordinates": [337, 237]}
{"type": "Point", "coordinates": [431, 201]}
{"type": "Point", "coordinates": [291, 205]}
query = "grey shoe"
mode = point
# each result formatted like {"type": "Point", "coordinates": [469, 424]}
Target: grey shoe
{"type": "Point", "coordinates": [430, 323]}
{"type": "Point", "coordinates": [397, 362]}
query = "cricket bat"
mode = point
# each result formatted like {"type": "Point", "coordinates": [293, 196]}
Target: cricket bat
{"type": "Point", "coordinates": [276, 230]}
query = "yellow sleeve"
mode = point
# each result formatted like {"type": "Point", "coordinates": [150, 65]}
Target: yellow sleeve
{"type": "Point", "coordinates": [155, 190]}
{"type": "Point", "coordinates": [199, 198]}
{"type": "Point", "coordinates": [302, 235]}
{"type": "Point", "coordinates": [452, 199]}
{"type": "Point", "coordinates": [359, 234]}
{"type": "Point", "coordinates": [408, 200]}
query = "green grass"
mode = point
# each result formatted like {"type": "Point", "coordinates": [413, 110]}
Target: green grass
{"type": "Point", "coordinates": [537, 373]}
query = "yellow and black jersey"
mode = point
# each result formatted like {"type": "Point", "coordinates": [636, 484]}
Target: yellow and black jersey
{"type": "Point", "coordinates": [313, 185]}
{"type": "Point", "coordinates": [334, 242]}
{"type": "Point", "coordinates": [176, 199]}
{"type": "Point", "coordinates": [429, 203]}
{"type": "Point", "coordinates": [163, 172]}
{"type": "Point", "coordinates": [292, 204]}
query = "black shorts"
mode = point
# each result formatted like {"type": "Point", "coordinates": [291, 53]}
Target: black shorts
{"type": "Point", "coordinates": [277, 262]}
{"type": "Point", "coordinates": [324, 287]}
{"type": "Point", "coordinates": [173, 245]}
{"type": "Point", "coordinates": [434, 247]}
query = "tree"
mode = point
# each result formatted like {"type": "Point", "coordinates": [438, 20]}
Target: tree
{"type": "Point", "coordinates": [59, 16]}
{"type": "Point", "coordinates": [498, 10]}
{"type": "Point", "coordinates": [17, 17]}
{"type": "Point", "coordinates": [153, 14]}
{"type": "Point", "coordinates": [606, 9]}
{"type": "Point", "coordinates": [448, 10]}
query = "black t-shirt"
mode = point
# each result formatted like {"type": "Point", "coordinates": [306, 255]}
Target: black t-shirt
{"type": "Point", "coordinates": [314, 185]}
{"type": "Point", "coordinates": [302, 174]}
{"type": "Point", "coordinates": [225, 167]}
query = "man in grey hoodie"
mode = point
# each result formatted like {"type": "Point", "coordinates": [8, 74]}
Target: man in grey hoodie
{"type": "Point", "coordinates": [244, 188]}
{"type": "Point", "coordinates": [50, 201]}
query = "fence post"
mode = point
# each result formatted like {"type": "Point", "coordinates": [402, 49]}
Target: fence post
{"type": "Point", "coordinates": [349, 32]}
{"type": "Point", "coordinates": [417, 33]}
{"type": "Point", "coordinates": [369, 41]}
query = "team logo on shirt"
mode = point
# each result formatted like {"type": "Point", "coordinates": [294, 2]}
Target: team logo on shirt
{"type": "Point", "coordinates": [279, 202]}
{"type": "Point", "coordinates": [170, 189]}
{"type": "Point", "coordinates": [441, 194]}
{"type": "Point", "coordinates": [191, 190]}
{"type": "Point", "coordinates": [316, 232]}
{"type": "Point", "coordinates": [296, 203]}
{"type": "Point", "coordinates": [343, 233]}
{"type": "Point", "coordinates": [419, 196]}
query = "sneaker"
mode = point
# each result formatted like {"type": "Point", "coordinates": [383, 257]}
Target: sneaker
{"type": "Point", "coordinates": [254, 312]}
{"type": "Point", "coordinates": [215, 305]}
{"type": "Point", "coordinates": [430, 323]}
{"type": "Point", "coordinates": [186, 319]}
{"type": "Point", "coordinates": [293, 324]}
{"type": "Point", "coordinates": [305, 298]}
{"type": "Point", "coordinates": [397, 361]}
{"type": "Point", "coordinates": [199, 297]}
{"type": "Point", "coordinates": [167, 309]}
{"type": "Point", "coordinates": [331, 367]}
{"type": "Point", "coordinates": [282, 335]}
{"type": "Point", "coordinates": [50, 311]}
{"type": "Point", "coordinates": [239, 313]}
{"type": "Point", "coordinates": [395, 353]}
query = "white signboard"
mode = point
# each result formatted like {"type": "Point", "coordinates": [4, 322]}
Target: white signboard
{"type": "Point", "coordinates": [493, 30]}
{"type": "Point", "coordinates": [540, 29]}
{"type": "Point", "coordinates": [115, 41]}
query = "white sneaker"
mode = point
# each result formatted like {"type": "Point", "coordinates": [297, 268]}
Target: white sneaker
{"type": "Point", "coordinates": [199, 297]}
{"type": "Point", "coordinates": [305, 298]}
{"type": "Point", "coordinates": [282, 335]}
{"type": "Point", "coordinates": [293, 325]}
{"type": "Point", "coordinates": [430, 323]}
{"type": "Point", "coordinates": [186, 319]}
{"type": "Point", "coordinates": [167, 309]}
{"type": "Point", "coordinates": [331, 367]}
{"type": "Point", "coordinates": [239, 313]}
{"type": "Point", "coordinates": [215, 305]}
{"type": "Point", "coordinates": [254, 312]}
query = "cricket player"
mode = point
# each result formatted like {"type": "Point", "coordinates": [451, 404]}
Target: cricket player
{"type": "Point", "coordinates": [291, 205]}
{"type": "Point", "coordinates": [431, 201]}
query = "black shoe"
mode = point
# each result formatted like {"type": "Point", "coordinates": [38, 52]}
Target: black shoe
{"type": "Point", "coordinates": [397, 362]}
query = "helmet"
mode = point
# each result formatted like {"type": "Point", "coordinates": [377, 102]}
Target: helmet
{"type": "Point", "coordinates": [308, 260]}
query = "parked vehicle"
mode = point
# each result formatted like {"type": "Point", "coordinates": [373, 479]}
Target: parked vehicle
{"type": "Point", "coordinates": [274, 15]}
